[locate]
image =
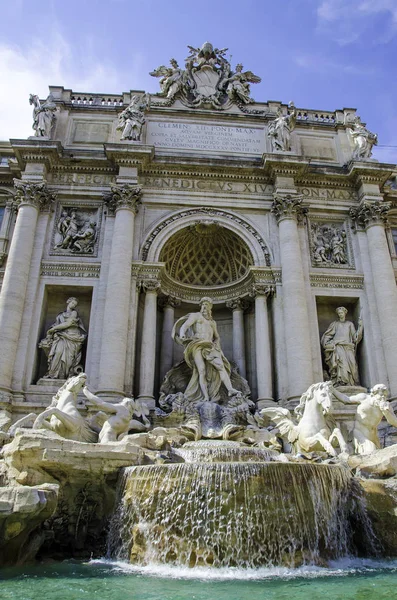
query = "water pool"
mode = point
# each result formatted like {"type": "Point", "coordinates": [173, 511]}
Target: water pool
{"type": "Point", "coordinates": [344, 580]}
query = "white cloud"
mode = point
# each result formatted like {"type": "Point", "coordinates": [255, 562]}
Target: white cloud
{"type": "Point", "coordinates": [51, 63]}
{"type": "Point", "coordinates": [347, 20]}
{"type": "Point", "coordinates": [319, 64]}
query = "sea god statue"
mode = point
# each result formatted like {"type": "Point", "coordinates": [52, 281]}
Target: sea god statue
{"type": "Point", "coordinates": [63, 343]}
{"type": "Point", "coordinates": [198, 333]}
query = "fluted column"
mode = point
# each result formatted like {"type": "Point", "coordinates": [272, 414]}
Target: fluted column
{"type": "Point", "coordinates": [169, 303]}
{"type": "Point", "coordinates": [372, 217]}
{"type": "Point", "coordinates": [238, 306]}
{"type": "Point", "coordinates": [31, 197]}
{"type": "Point", "coordinates": [288, 210]}
{"type": "Point", "coordinates": [261, 293]}
{"type": "Point", "coordinates": [6, 227]}
{"type": "Point", "coordinates": [148, 347]}
{"type": "Point", "coordinates": [124, 201]}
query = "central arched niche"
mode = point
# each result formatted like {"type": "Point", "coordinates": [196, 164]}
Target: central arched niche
{"type": "Point", "coordinates": [206, 254]}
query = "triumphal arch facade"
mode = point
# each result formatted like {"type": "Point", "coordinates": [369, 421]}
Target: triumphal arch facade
{"type": "Point", "coordinates": [123, 211]}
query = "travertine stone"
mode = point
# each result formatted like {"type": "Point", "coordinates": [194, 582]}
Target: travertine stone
{"type": "Point", "coordinates": [238, 306]}
{"type": "Point", "coordinates": [169, 304]}
{"type": "Point", "coordinates": [288, 208]}
{"type": "Point", "coordinates": [148, 347]}
{"type": "Point", "coordinates": [124, 199]}
{"type": "Point", "coordinates": [262, 344]}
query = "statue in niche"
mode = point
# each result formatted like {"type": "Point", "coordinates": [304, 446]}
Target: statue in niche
{"type": "Point", "coordinates": [63, 416]}
{"type": "Point", "coordinates": [237, 85]}
{"type": "Point", "coordinates": [63, 343]}
{"type": "Point", "coordinates": [172, 79]}
{"type": "Point", "coordinates": [279, 130]}
{"type": "Point", "coordinates": [43, 115]}
{"type": "Point", "coordinates": [363, 139]}
{"type": "Point", "coordinates": [84, 240]}
{"type": "Point", "coordinates": [371, 408]}
{"type": "Point", "coordinates": [198, 333]}
{"type": "Point", "coordinates": [339, 343]}
{"type": "Point", "coordinates": [329, 245]}
{"type": "Point", "coordinates": [314, 429]}
{"type": "Point", "coordinates": [117, 420]}
{"type": "Point", "coordinates": [132, 119]}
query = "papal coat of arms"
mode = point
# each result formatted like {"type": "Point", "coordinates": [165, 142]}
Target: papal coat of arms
{"type": "Point", "coordinates": [206, 80]}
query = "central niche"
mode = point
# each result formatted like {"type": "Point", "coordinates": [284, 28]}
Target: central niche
{"type": "Point", "coordinates": [206, 254]}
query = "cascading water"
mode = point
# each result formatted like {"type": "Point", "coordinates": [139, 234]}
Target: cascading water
{"type": "Point", "coordinates": [243, 514]}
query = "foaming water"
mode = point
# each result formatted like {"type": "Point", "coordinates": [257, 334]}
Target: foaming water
{"type": "Point", "coordinates": [210, 451]}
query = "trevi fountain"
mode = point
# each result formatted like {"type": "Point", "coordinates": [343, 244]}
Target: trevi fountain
{"type": "Point", "coordinates": [198, 318]}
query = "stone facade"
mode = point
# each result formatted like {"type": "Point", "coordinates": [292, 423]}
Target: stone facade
{"type": "Point", "coordinates": [186, 196]}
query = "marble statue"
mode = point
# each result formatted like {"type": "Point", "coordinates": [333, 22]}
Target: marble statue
{"type": "Point", "coordinates": [339, 343]}
{"type": "Point", "coordinates": [237, 85]}
{"type": "Point", "coordinates": [172, 79]}
{"type": "Point", "coordinates": [279, 131]}
{"type": "Point", "coordinates": [371, 408]}
{"type": "Point", "coordinates": [63, 417]}
{"type": "Point", "coordinates": [43, 115]}
{"type": "Point", "coordinates": [117, 419]}
{"type": "Point", "coordinates": [363, 139]}
{"type": "Point", "coordinates": [84, 240]}
{"type": "Point", "coordinates": [63, 343]}
{"type": "Point", "coordinates": [198, 333]}
{"type": "Point", "coordinates": [67, 228]}
{"type": "Point", "coordinates": [314, 429]}
{"type": "Point", "coordinates": [132, 119]}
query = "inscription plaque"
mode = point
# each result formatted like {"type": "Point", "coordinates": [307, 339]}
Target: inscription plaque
{"type": "Point", "coordinates": [196, 136]}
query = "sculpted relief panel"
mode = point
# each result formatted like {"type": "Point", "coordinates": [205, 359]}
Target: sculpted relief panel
{"type": "Point", "coordinates": [76, 231]}
{"type": "Point", "coordinates": [329, 245]}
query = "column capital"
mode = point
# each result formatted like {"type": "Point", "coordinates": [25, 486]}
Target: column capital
{"type": "Point", "coordinates": [33, 194]}
{"type": "Point", "coordinates": [369, 213]}
{"type": "Point", "coordinates": [150, 285]}
{"type": "Point", "coordinates": [170, 301]}
{"type": "Point", "coordinates": [288, 206]}
{"type": "Point", "coordinates": [262, 289]}
{"type": "Point", "coordinates": [123, 196]}
{"type": "Point", "coordinates": [238, 304]}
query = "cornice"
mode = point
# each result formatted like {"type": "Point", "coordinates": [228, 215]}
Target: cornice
{"type": "Point", "coordinates": [70, 269]}
{"type": "Point", "coordinates": [48, 152]}
{"type": "Point", "coordinates": [132, 154]}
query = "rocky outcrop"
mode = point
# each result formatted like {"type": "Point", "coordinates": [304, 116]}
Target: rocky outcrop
{"type": "Point", "coordinates": [23, 510]}
{"type": "Point", "coordinates": [86, 475]}
{"type": "Point", "coordinates": [380, 464]}
{"type": "Point", "coordinates": [381, 504]}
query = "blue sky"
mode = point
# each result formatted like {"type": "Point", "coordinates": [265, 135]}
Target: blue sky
{"type": "Point", "coordinates": [322, 54]}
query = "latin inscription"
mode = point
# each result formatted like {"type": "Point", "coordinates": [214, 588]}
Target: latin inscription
{"type": "Point", "coordinates": [80, 178]}
{"type": "Point", "coordinates": [328, 194]}
{"type": "Point", "coordinates": [194, 136]}
{"type": "Point", "coordinates": [201, 185]}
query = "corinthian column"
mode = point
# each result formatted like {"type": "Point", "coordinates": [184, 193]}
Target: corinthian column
{"type": "Point", "coordinates": [169, 303]}
{"type": "Point", "coordinates": [124, 201]}
{"type": "Point", "coordinates": [238, 306]}
{"type": "Point", "coordinates": [261, 293]}
{"type": "Point", "coordinates": [148, 347]}
{"type": "Point", "coordinates": [31, 197]}
{"type": "Point", "coordinates": [372, 217]}
{"type": "Point", "coordinates": [288, 210]}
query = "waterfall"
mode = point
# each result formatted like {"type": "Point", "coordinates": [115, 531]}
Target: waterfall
{"type": "Point", "coordinates": [243, 514]}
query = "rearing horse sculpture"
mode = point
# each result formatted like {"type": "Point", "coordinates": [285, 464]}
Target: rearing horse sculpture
{"type": "Point", "coordinates": [64, 417]}
{"type": "Point", "coordinates": [314, 431]}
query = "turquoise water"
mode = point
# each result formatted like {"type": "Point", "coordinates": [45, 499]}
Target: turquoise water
{"type": "Point", "coordinates": [345, 580]}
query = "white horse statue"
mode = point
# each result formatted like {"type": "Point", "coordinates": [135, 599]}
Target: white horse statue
{"type": "Point", "coordinates": [314, 429]}
{"type": "Point", "coordinates": [63, 417]}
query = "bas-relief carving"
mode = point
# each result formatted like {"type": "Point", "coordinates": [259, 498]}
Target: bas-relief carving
{"type": "Point", "coordinates": [314, 429]}
{"type": "Point", "coordinates": [63, 343]}
{"type": "Point", "coordinates": [279, 130]}
{"type": "Point", "coordinates": [206, 80]}
{"type": "Point", "coordinates": [328, 245]}
{"type": "Point", "coordinates": [43, 115]}
{"type": "Point", "coordinates": [339, 343]}
{"type": "Point", "coordinates": [132, 118]}
{"type": "Point", "coordinates": [76, 231]}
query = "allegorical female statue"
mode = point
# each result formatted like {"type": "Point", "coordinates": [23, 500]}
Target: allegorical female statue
{"type": "Point", "coordinates": [339, 343]}
{"type": "Point", "coordinates": [63, 343]}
